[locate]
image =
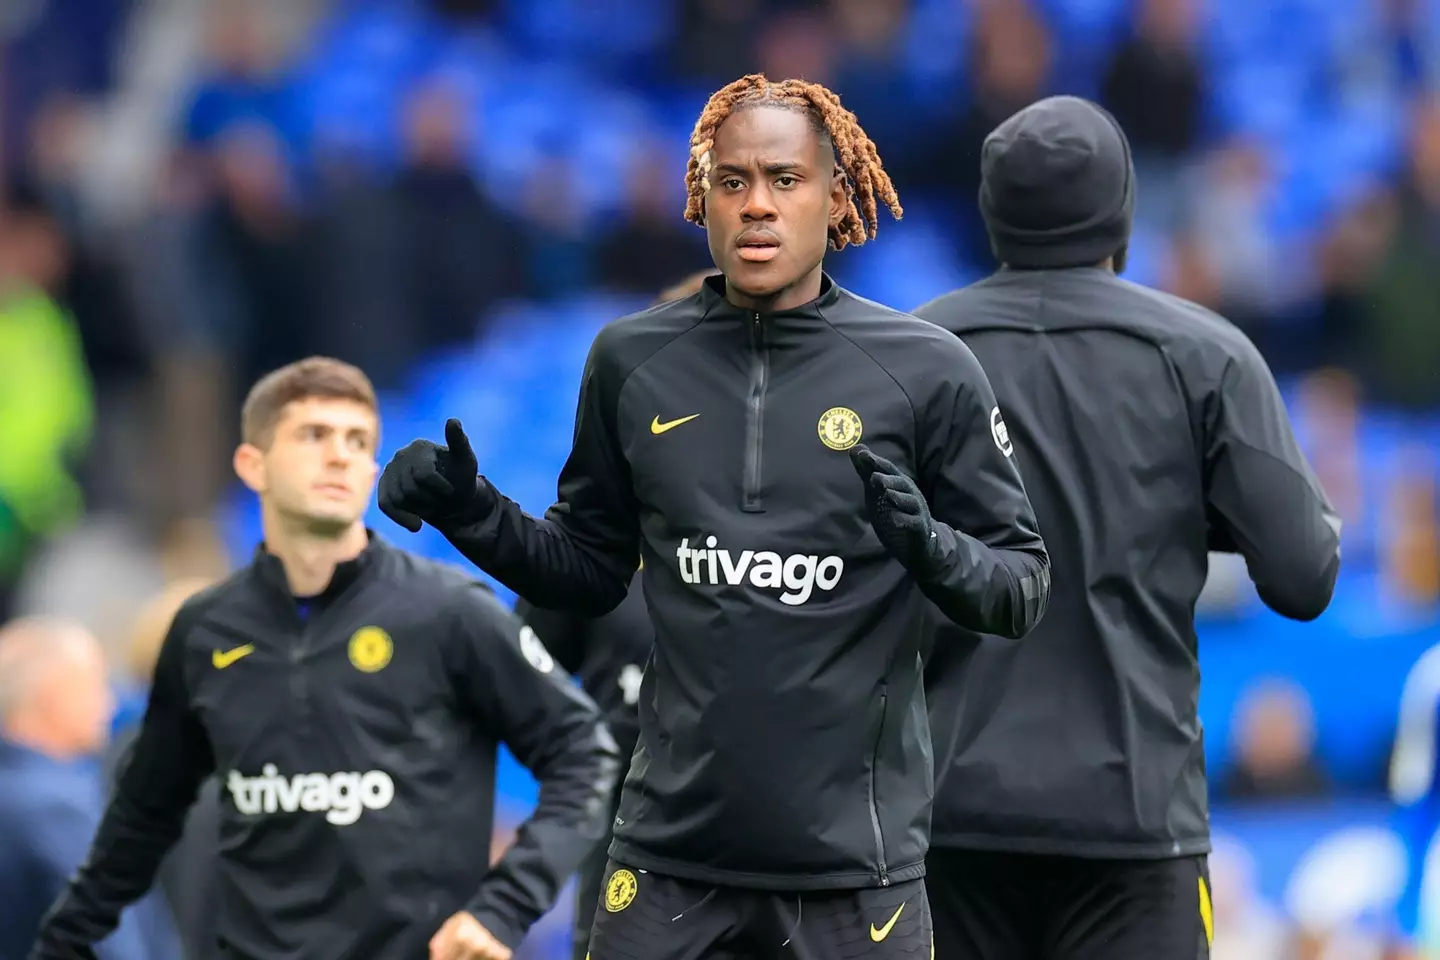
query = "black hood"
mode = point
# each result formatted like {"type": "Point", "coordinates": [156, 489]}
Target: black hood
{"type": "Point", "coordinates": [1057, 185]}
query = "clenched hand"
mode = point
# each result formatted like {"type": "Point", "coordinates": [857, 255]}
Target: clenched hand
{"type": "Point", "coordinates": [425, 482]}
{"type": "Point", "coordinates": [465, 938]}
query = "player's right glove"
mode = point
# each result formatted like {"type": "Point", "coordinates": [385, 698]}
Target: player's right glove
{"type": "Point", "coordinates": [427, 483]}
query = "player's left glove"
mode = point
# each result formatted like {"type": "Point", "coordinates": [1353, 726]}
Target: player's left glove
{"type": "Point", "coordinates": [898, 512]}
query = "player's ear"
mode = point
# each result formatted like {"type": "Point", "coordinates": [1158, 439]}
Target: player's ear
{"type": "Point", "coordinates": [839, 202]}
{"type": "Point", "coordinates": [249, 463]}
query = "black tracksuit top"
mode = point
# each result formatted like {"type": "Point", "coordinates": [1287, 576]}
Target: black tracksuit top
{"type": "Point", "coordinates": [783, 738]}
{"type": "Point", "coordinates": [1150, 432]}
{"type": "Point", "coordinates": [355, 750]}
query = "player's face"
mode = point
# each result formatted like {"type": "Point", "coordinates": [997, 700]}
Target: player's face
{"type": "Point", "coordinates": [320, 467]}
{"type": "Point", "coordinates": [774, 193]}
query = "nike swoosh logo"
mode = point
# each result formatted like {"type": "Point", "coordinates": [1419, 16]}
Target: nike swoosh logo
{"type": "Point", "coordinates": [883, 932]}
{"type": "Point", "coordinates": [657, 428]}
{"type": "Point", "coordinates": [223, 660]}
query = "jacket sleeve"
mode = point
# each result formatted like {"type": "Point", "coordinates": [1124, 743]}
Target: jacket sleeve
{"type": "Point", "coordinates": [1262, 499]}
{"type": "Point", "coordinates": [562, 633]}
{"type": "Point", "coordinates": [995, 575]}
{"type": "Point", "coordinates": [159, 778]}
{"type": "Point", "coordinates": [581, 555]}
{"type": "Point", "coordinates": [510, 682]}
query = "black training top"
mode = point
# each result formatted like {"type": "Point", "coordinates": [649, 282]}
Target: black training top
{"type": "Point", "coordinates": [355, 750]}
{"type": "Point", "coordinates": [783, 738]}
{"type": "Point", "coordinates": [1150, 432]}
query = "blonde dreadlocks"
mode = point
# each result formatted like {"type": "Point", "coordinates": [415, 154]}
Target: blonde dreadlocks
{"type": "Point", "coordinates": [866, 182]}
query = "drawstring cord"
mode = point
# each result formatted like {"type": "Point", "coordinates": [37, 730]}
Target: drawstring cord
{"type": "Point", "coordinates": [799, 912]}
{"type": "Point", "coordinates": [703, 900]}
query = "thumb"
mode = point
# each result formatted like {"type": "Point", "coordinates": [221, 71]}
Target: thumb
{"type": "Point", "coordinates": [458, 443]}
{"type": "Point", "coordinates": [863, 460]}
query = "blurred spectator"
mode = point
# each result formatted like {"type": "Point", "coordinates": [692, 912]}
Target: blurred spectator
{"type": "Point", "coordinates": [799, 44]}
{"type": "Point", "coordinates": [242, 82]}
{"type": "Point", "coordinates": [411, 266]}
{"type": "Point", "coordinates": [712, 45]}
{"type": "Point", "coordinates": [1155, 87]}
{"type": "Point", "coordinates": [1274, 746]}
{"type": "Point", "coordinates": [1254, 276]}
{"type": "Point", "coordinates": [49, 46]}
{"type": "Point", "coordinates": [1327, 410]}
{"type": "Point", "coordinates": [1412, 564]}
{"type": "Point", "coordinates": [560, 254]}
{"type": "Point", "coordinates": [1010, 69]}
{"type": "Point", "coordinates": [1348, 258]}
{"type": "Point", "coordinates": [55, 709]}
{"type": "Point", "coordinates": [871, 75]}
{"type": "Point", "coordinates": [45, 406]}
{"type": "Point", "coordinates": [1400, 304]}
{"type": "Point", "coordinates": [653, 244]}
{"type": "Point", "coordinates": [256, 268]}
{"type": "Point", "coordinates": [92, 289]}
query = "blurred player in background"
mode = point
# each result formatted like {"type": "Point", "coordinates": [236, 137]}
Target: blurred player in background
{"type": "Point", "coordinates": [1415, 788]}
{"type": "Point", "coordinates": [777, 804]}
{"type": "Point", "coordinates": [1071, 818]}
{"type": "Point", "coordinates": [608, 654]}
{"type": "Point", "coordinates": [352, 698]}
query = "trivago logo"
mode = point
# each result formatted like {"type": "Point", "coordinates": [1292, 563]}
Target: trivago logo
{"type": "Point", "coordinates": [342, 797]}
{"type": "Point", "coordinates": [798, 575]}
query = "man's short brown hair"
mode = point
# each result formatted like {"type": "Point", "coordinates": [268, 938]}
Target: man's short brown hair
{"type": "Point", "coordinates": [314, 377]}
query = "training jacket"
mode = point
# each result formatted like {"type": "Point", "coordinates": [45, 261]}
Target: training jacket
{"type": "Point", "coordinates": [355, 749]}
{"type": "Point", "coordinates": [607, 654]}
{"type": "Point", "coordinates": [1149, 431]}
{"type": "Point", "coordinates": [783, 742]}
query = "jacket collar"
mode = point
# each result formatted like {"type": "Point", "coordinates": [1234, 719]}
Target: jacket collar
{"type": "Point", "coordinates": [712, 300]}
{"type": "Point", "coordinates": [272, 572]}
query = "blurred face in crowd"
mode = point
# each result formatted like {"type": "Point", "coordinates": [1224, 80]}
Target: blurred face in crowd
{"type": "Point", "coordinates": [78, 697]}
{"type": "Point", "coordinates": [318, 469]}
{"type": "Point", "coordinates": [58, 699]}
{"type": "Point", "coordinates": [774, 194]}
{"type": "Point", "coordinates": [32, 250]}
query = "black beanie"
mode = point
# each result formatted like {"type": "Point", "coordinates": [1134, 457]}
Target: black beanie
{"type": "Point", "coordinates": [1057, 185]}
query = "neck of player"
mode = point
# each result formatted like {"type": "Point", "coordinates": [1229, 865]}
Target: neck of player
{"type": "Point", "coordinates": [798, 294]}
{"type": "Point", "coordinates": [310, 556]}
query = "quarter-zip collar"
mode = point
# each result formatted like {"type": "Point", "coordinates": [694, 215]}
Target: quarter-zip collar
{"type": "Point", "coordinates": [712, 299]}
{"type": "Point", "coordinates": [272, 572]}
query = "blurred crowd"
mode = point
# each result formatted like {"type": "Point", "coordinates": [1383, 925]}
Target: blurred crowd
{"type": "Point", "coordinates": [197, 191]}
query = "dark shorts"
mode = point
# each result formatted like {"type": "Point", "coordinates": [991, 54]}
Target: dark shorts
{"type": "Point", "coordinates": [643, 916]}
{"type": "Point", "coordinates": [590, 881]}
{"type": "Point", "coordinates": [1003, 906]}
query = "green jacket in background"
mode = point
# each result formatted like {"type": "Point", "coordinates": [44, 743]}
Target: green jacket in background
{"type": "Point", "coordinates": [46, 414]}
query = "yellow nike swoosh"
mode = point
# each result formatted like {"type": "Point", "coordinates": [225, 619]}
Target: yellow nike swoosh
{"type": "Point", "coordinates": [223, 660]}
{"type": "Point", "coordinates": [657, 428]}
{"type": "Point", "coordinates": [883, 932]}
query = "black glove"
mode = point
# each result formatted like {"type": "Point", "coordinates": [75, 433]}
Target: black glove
{"type": "Point", "coordinates": [898, 512]}
{"type": "Point", "coordinates": [425, 482]}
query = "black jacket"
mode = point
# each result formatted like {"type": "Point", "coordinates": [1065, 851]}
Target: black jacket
{"type": "Point", "coordinates": [356, 753]}
{"type": "Point", "coordinates": [1149, 431]}
{"type": "Point", "coordinates": [607, 653]}
{"type": "Point", "coordinates": [783, 742]}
